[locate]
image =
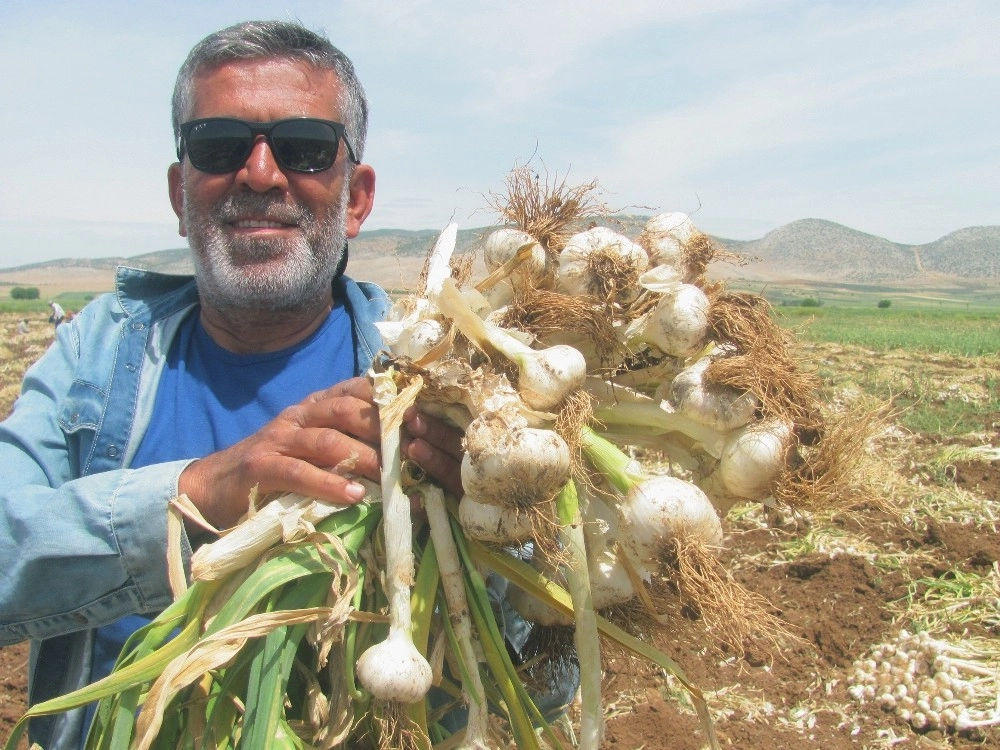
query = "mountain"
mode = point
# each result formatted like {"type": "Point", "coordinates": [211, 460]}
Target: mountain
{"type": "Point", "coordinates": [807, 250]}
{"type": "Point", "coordinates": [818, 250]}
{"type": "Point", "coordinates": [971, 252]}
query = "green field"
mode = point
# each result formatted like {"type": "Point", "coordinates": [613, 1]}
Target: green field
{"type": "Point", "coordinates": [953, 331]}
{"type": "Point", "coordinates": [70, 301]}
{"type": "Point", "coordinates": [970, 298]}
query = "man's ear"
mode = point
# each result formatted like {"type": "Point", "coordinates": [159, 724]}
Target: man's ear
{"type": "Point", "coordinates": [360, 199]}
{"type": "Point", "coordinates": [175, 185]}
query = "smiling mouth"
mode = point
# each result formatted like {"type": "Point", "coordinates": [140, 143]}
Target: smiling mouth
{"type": "Point", "coordinates": [260, 224]}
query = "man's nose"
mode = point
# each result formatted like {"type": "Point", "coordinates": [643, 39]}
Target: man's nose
{"type": "Point", "coordinates": [261, 172]}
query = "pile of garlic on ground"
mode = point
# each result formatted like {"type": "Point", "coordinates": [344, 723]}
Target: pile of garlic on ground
{"type": "Point", "coordinates": [930, 683]}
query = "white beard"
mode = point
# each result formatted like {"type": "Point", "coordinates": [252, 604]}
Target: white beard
{"type": "Point", "coordinates": [266, 275]}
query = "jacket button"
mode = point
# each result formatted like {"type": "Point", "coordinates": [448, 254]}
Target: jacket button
{"type": "Point", "coordinates": [74, 418]}
{"type": "Point", "coordinates": [138, 325]}
{"type": "Point", "coordinates": [130, 367]}
{"type": "Point", "coordinates": [112, 451]}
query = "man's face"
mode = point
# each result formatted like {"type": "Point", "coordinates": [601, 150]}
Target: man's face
{"type": "Point", "coordinates": [264, 238]}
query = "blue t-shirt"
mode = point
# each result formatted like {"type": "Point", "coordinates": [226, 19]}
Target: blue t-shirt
{"type": "Point", "coordinates": [210, 398]}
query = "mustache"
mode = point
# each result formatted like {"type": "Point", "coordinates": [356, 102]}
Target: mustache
{"type": "Point", "coordinates": [243, 205]}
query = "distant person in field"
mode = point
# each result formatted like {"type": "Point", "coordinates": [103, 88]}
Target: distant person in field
{"type": "Point", "coordinates": [22, 327]}
{"type": "Point", "coordinates": [58, 314]}
{"type": "Point", "coordinates": [246, 375]}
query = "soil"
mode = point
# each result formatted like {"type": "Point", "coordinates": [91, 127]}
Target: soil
{"type": "Point", "coordinates": [837, 604]}
{"type": "Point", "coordinates": [840, 606]}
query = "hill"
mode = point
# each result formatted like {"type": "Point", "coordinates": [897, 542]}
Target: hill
{"type": "Point", "coordinates": [822, 251]}
{"type": "Point", "coordinates": [805, 251]}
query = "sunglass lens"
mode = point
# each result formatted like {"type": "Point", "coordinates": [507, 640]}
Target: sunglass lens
{"type": "Point", "coordinates": [304, 145]}
{"type": "Point", "coordinates": [219, 146]}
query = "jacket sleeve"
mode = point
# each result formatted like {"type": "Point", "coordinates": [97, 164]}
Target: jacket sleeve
{"type": "Point", "coordinates": [76, 551]}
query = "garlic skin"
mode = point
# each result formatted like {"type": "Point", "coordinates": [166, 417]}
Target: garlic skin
{"type": "Point", "coordinates": [493, 523]}
{"type": "Point", "coordinates": [547, 376]}
{"type": "Point", "coordinates": [588, 260]}
{"type": "Point", "coordinates": [533, 609]}
{"type": "Point", "coordinates": [512, 467]}
{"type": "Point", "coordinates": [754, 456]}
{"type": "Point", "coordinates": [678, 325]}
{"type": "Point", "coordinates": [719, 406]}
{"type": "Point", "coordinates": [660, 509]}
{"type": "Point", "coordinates": [281, 519]}
{"type": "Point", "coordinates": [394, 670]}
{"type": "Point", "coordinates": [416, 340]}
{"type": "Point", "coordinates": [502, 245]}
{"type": "Point", "coordinates": [534, 272]}
{"type": "Point", "coordinates": [666, 234]}
{"type": "Point", "coordinates": [609, 581]}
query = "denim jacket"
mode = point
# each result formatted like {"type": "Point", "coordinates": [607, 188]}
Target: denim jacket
{"type": "Point", "coordinates": [83, 536]}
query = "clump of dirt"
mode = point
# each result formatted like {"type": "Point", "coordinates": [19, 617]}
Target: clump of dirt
{"type": "Point", "coordinates": [980, 477]}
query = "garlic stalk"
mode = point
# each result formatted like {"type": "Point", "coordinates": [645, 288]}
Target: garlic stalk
{"type": "Point", "coordinates": [633, 410]}
{"type": "Point", "coordinates": [545, 376]}
{"type": "Point", "coordinates": [585, 636]}
{"type": "Point", "coordinates": [452, 581]}
{"type": "Point", "coordinates": [279, 520]}
{"type": "Point", "coordinates": [394, 670]}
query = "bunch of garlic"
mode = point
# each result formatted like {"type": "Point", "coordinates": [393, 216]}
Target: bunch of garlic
{"type": "Point", "coordinates": [929, 683]}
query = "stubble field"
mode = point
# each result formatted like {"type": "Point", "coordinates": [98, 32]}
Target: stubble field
{"type": "Point", "coordinates": [926, 560]}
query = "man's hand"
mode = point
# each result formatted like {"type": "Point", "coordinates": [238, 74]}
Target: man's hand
{"type": "Point", "coordinates": [436, 447]}
{"type": "Point", "coordinates": [295, 452]}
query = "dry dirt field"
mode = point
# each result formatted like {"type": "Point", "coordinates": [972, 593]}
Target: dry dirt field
{"type": "Point", "coordinates": [843, 583]}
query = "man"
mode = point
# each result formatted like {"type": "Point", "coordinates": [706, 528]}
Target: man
{"type": "Point", "coordinates": [244, 376]}
{"type": "Point", "coordinates": [57, 315]}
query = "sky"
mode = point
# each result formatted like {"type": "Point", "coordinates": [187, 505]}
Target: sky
{"type": "Point", "coordinates": [747, 114]}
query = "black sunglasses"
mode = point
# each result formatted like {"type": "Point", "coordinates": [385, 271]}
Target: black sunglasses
{"type": "Point", "coordinates": [222, 144]}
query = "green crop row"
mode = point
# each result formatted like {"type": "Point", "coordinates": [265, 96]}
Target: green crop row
{"type": "Point", "coordinates": [957, 332]}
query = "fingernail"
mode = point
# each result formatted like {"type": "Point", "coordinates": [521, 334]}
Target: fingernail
{"type": "Point", "coordinates": [416, 425]}
{"type": "Point", "coordinates": [419, 451]}
{"type": "Point", "coordinates": [355, 491]}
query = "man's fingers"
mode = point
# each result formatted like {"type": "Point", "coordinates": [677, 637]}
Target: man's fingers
{"type": "Point", "coordinates": [359, 388]}
{"type": "Point", "coordinates": [346, 414]}
{"type": "Point", "coordinates": [444, 437]}
{"type": "Point", "coordinates": [331, 448]}
{"type": "Point", "coordinates": [329, 486]}
{"type": "Point", "coordinates": [444, 467]}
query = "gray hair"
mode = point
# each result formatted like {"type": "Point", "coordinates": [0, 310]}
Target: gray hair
{"type": "Point", "coordinates": [260, 40]}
